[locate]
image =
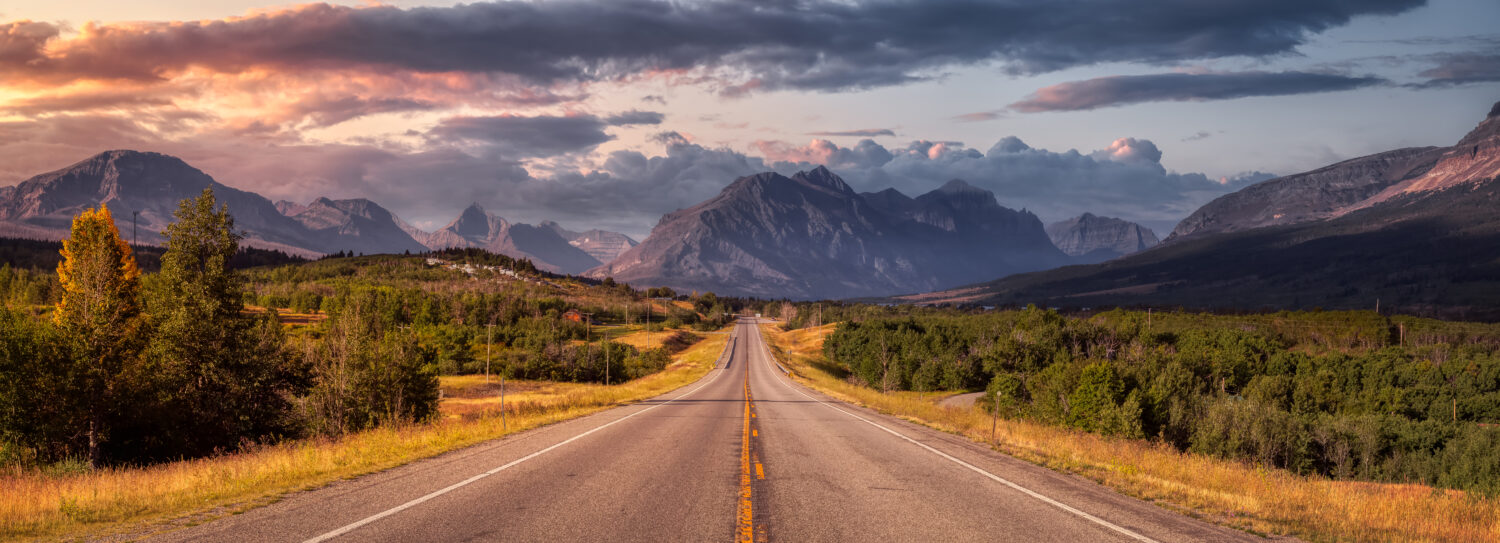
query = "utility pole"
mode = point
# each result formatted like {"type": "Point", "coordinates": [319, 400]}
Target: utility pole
{"type": "Point", "coordinates": [489, 333]}
{"type": "Point", "coordinates": [994, 416]}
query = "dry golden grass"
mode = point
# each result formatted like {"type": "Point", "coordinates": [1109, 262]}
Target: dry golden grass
{"type": "Point", "coordinates": [1266, 501]}
{"type": "Point", "coordinates": [36, 505]}
{"type": "Point", "coordinates": [289, 317]}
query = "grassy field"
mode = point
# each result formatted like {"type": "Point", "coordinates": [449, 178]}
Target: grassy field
{"type": "Point", "coordinates": [59, 504]}
{"type": "Point", "coordinates": [1245, 496]}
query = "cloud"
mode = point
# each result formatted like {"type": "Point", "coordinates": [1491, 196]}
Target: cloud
{"type": "Point", "coordinates": [1453, 69]}
{"type": "Point", "coordinates": [88, 100]}
{"type": "Point", "coordinates": [485, 159]}
{"type": "Point", "coordinates": [515, 137]}
{"type": "Point", "coordinates": [1200, 135]}
{"type": "Point", "coordinates": [979, 116]}
{"type": "Point", "coordinates": [1179, 87]}
{"type": "Point", "coordinates": [863, 133]}
{"type": "Point", "coordinates": [824, 45]}
{"type": "Point", "coordinates": [1124, 179]}
{"type": "Point", "coordinates": [654, 99]}
{"type": "Point", "coordinates": [634, 117]}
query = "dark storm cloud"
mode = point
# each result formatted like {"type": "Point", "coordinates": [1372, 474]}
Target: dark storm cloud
{"type": "Point", "coordinates": [634, 117]}
{"type": "Point", "coordinates": [861, 133]}
{"type": "Point", "coordinates": [516, 137]}
{"type": "Point", "coordinates": [1452, 69]}
{"type": "Point", "coordinates": [1180, 87]}
{"type": "Point", "coordinates": [815, 44]}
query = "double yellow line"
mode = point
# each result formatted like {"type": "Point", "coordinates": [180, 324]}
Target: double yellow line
{"type": "Point", "coordinates": [746, 531]}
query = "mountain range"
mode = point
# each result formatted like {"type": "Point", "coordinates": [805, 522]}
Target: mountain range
{"type": "Point", "coordinates": [1415, 230]}
{"type": "Point", "coordinates": [1410, 227]}
{"type": "Point", "coordinates": [811, 236]}
{"type": "Point", "coordinates": [143, 190]}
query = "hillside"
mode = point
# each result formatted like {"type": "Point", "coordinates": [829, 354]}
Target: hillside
{"type": "Point", "coordinates": [1413, 254]}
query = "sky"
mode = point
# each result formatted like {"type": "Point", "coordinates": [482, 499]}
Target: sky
{"type": "Point", "coordinates": [609, 114]}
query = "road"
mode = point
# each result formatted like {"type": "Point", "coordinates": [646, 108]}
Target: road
{"type": "Point", "coordinates": [743, 454]}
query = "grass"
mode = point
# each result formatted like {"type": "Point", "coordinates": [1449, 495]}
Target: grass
{"type": "Point", "coordinates": [1226, 492]}
{"type": "Point", "coordinates": [37, 504]}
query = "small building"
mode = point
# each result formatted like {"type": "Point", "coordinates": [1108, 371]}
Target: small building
{"type": "Point", "coordinates": [575, 316]}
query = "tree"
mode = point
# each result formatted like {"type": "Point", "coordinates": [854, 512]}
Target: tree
{"type": "Point", "coordinates": [99, 313]}
{"type": "Point", "coordinates": [221, 377]}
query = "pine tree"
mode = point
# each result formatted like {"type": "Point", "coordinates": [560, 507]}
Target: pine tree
{"type": "Point", "coordinates": [99, 313]}
{"type": "Point", "coordinates": [221, 376]}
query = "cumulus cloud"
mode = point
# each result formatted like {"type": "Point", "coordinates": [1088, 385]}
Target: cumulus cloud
{"type": "Point", "coordinates": [1180, 87]}
{"type": "Point", "coordinates": [811, 44]}
{"type": "Point", "coordinates": [865, 154]}
{"type": "Point", "coordinates": [485, 159]}
{"type": "Point", "coordinates": [1124, 179]}
{"type": "Point", "coordinates": [862, 133]}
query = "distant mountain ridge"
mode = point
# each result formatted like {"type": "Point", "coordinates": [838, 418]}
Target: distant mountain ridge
{"type": "Point", "coordinates": [1090, 238]}
{"type": "Point", "coordinates": [603, 245]}
{"type": "Point", "coordinates": [811, 236]}
{"type": "Point", "coordinates": [1313, 195]}
{"type": "Point", "coordinates": [1414, 230]}
{"type": "Point", "coordinates": [150, 185]}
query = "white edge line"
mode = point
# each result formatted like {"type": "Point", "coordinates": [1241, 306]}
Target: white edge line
{"type": "Point", "coordinates": [455, 486]}
{"type": "Point", "coordinates": [981, 471]}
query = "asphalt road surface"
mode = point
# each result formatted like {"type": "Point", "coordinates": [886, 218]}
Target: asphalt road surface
{"type": "Point", "coordinates": [743, 454]}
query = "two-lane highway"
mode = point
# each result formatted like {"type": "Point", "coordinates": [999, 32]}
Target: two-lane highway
{"type": "Point", "coordinates": [744, 454]}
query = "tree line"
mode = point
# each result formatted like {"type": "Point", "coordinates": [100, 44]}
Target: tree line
{"type": "Point", "coordinates": [1350, 395]}
{"type": "Point", "coordinates": [132, 368]}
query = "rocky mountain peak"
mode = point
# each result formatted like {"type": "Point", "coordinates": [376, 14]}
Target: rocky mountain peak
{"type": "Point", "coordinates": [822, 177]}
{"type": "Point", "coordinates": [810, 236]}
{"type": "Point", "coordinates": [961, 187]}
{"type": "Point", "coordinates": [474, 223]}
{"type": "Point", "coordinates": [1092, 238]}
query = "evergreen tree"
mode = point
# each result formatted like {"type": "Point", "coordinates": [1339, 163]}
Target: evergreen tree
{"type": "Point", "coordinates": [222, 376]}
{"type": "Point", "coordinates": [99, 313]}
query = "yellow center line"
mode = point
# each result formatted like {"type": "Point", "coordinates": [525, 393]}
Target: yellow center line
{"type": "Point", "coordinates": [746, 532]}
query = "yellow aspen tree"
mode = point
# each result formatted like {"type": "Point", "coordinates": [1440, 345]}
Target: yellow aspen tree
{"type": "Point", "coordinates": [99, 312]}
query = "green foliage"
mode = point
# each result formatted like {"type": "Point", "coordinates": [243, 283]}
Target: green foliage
{"type": "Point", "coordinates": [1351, 395]}
{"type": "Point", "coordinates": [366, 375]}
{"type": "Point", "coordinates": [212, 376]}
{"type": "Point", "coordinates": [39, 400]}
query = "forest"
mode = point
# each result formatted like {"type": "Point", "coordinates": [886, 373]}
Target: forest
{"type": "Point", "coordinates": [1352, 395]}
{"type": "Point", "coordinates": [214, 348]}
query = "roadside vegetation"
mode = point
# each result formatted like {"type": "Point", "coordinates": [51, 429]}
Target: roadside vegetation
{"type": "Point", "coordinates": [1327, 426]}
{"type": "Point", "coordinates": [132, 396]}
{"type": "Point", "coordinates": [73, 501]}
